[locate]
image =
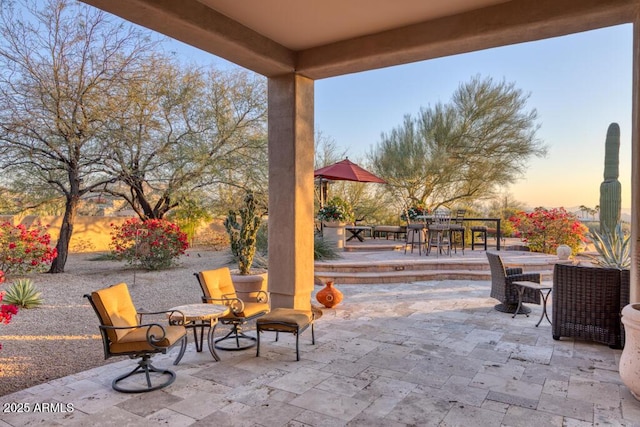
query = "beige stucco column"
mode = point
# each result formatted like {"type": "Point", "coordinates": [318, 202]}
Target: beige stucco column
{"type": "Point", "coordinates": [291, 154]}
{"type": "Point", "coordinates": [635, 166]}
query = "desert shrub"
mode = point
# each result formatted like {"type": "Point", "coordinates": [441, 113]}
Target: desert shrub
{"type": "Point", "coordinates": [545, 229]}
{"type": "Point", "coordinates": [23, 293]}
{"type": "Point", "coordinates": [25, 250]}
{"type": "Point", "coordinates": [153, 244]}
{"type": "Point", "coordinates": [323, 249]}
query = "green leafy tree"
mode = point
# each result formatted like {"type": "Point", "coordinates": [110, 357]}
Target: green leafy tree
{"type": "Point", "coordinates": [505, 207]}
{"type": "Point", "coordinates": [461, 151]}
{"type": "Point", "coordinates": [63, 67]}
{"type": "Point", "coordinates": [186, 130]}
{"type": "Point", "coordinates": [189, 214]}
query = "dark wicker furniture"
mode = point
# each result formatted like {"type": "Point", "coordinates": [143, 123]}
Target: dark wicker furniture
{"type": "Point", "coordinates": [587, 302]}
{"type": "Point", "coordinates": [503, 289]}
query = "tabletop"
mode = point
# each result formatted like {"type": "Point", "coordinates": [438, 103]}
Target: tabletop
{"type": "Point", "coordinates": [533, 285]}
{"type": "Point", "coordinates": [201, 311]}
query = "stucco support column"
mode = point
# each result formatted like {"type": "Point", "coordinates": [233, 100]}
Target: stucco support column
{"type": "Point", "coordinates": [635, 166]}
{"type": "Point", "coordinates": [291, 156]}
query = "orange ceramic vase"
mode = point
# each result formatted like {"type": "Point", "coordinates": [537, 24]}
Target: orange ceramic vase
{"type": "Point", "coordinates": [329, 296]}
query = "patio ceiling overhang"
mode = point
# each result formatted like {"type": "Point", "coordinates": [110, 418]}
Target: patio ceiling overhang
{"type": "Point", "coordinates": [326, 38]}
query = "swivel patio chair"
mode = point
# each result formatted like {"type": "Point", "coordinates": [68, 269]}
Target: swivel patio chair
{"type": "Point", "coordinates": [124, 334]}
{"type": "Point", "coordinates": [218, 288]}
{"type": "Point", "coordinates": [503, 289]}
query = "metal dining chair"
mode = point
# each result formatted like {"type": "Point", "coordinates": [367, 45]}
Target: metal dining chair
{"type": "Point", "coordinates": [439, 232]}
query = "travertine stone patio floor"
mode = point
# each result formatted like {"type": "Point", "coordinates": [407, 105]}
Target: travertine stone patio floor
{"type": "Point", "coordinates": [414, 354]}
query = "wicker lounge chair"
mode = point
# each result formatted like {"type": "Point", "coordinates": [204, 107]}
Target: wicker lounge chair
{"type": "Point", "coordinates": [587, 303]}
{"type": "Point", "coordinates": [503, 289]}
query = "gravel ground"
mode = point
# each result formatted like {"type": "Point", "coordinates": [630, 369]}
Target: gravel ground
{"type": "Point", "coordinates": [61, 337]}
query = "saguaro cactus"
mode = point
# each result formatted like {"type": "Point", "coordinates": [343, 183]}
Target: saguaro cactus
{"type": "Point", "coordinates": [610, 189]}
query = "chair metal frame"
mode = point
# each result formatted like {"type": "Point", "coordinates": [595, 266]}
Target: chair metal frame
{"type": "Point", "coordinates": [277, 326]}
{"type": "Point", "coordinates": [236, 322]}
{"type": "Point", "coordinates": [439, 232]}
{"type": "Point", "coordinates": [413, 230]}
{"type": "Point", "coordinates": [503, 289]}
{"type": "Point", "coordinates": [144, 365]}
{"type": "Point", "coordinates": [457, 227]}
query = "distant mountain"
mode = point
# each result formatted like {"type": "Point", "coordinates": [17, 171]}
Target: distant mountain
{"type": "Point", "coordinates": [625, 214]}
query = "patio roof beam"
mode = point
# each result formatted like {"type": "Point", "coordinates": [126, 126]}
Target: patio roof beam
{"type": "Point", "coordinates": [198, 25]}
{"type": "Point", "coordinates": [500, 25]}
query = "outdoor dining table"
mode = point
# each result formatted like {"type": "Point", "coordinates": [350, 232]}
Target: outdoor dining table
{"type": "Point", "coordinates": [356, 231]}
{"type": "Point", "coordinates": [427, 218]}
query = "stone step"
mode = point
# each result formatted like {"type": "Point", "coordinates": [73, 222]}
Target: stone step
{"type": "Point", "coordinates": [409, 276]}
{"type": "Point", "coordinates": [411, 267]}
{"type": "Point", "coordinates": [444, 264]}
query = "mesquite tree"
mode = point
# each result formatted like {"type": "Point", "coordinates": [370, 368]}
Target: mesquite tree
{"type": "Point", "coordinates": [186, 129]}
{"type": "Point", "coordinates": [460, 151]}
{"type": "Point", "coordinates": [63, 69]}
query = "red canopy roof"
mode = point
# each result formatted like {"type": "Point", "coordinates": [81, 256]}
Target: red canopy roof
{"type": "Point", "coordinates": [346, 170]}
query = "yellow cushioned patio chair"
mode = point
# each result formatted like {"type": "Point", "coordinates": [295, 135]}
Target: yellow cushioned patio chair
{"type": "Point", "coordinates": [217, 288]}
{"type": "Point", "coordinates": [124, 334]}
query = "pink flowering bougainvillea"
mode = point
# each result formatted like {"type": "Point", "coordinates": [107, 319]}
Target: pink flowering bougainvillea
{"type": "Point", "coordinates": [544, 229]}
{"type": "Point", "coordinates": [25, 250]}
{"type": "Point", "coordinates": [6, 310]}
{"type": "Point", "coordinates": [154, 243]}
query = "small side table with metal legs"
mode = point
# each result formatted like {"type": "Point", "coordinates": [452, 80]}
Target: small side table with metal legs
{"type": "Point", "coordinates": [543, 288]}
{"type": "Point", "coordinates": [199, 316]}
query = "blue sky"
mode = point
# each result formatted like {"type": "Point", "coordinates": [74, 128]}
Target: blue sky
{"type": "Point", "coordinates": [579, 84]}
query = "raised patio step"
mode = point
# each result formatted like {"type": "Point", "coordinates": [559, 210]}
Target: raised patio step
{"type": "Point", "coordinates": [427, 268]}
{"type": "Point", "coordinates": [410, 276]}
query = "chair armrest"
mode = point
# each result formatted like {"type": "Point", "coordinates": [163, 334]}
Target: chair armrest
{"type": "Point", "coordinates": [177, 317]}
{"type": "Point", "coordinates": [170, 313]}
{"type": "Point", "coordinates": [235, 304]}
{"type": "Point", "coordinates": [254, 296]}
{"type": "Point", "coordinates": [152, 338]}
{"type": "Point", "coordinates": [510, 271]}
{"type": "Point", "coordinates": [262, 297]}
{"type": "Point", "coordinates": [525, 277]}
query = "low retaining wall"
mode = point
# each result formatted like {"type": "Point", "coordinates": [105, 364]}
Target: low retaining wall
{"type": "Point", "coordinates": [90, 233]}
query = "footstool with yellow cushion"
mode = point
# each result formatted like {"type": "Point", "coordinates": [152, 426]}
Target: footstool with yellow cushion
{"type": "Point", "coordinates": [286, 320]}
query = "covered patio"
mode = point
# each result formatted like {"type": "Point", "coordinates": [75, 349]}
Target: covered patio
{"type": "Point", "coordinates": [422, 353]}
{"type": "Point", "coordinates": [294, 43]}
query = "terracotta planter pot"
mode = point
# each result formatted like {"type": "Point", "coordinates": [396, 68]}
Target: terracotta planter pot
{"type": "Point", "coordinates": [249, 284]}
{"type": "Point", "coordinates": [333, 232]}
{"type": "Point", "coordinates": [629, 361]}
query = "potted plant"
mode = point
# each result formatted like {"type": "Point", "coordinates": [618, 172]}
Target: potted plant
{"type": "Point", "coordinates": [243, 236]}
{"type": "Point", "coordinates": [413, 212]}
{"type": "Point", "coordinates": [334, 217]}
{"type": "Point", "coordinates": [614, 251]}
{"type": "Point", "coordinates": [337, 211]}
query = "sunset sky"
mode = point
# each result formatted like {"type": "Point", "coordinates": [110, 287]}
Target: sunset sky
{"type": "Point", "coordinates": [579, 84]}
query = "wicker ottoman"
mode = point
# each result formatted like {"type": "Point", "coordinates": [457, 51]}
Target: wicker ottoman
{"type": "Point", "coordinates": [286, 320]}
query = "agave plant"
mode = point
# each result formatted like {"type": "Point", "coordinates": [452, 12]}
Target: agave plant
{"type": "Point", "coordinates": [23, 294]}
{"type": "Point", "coordinates": [614, 249]}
